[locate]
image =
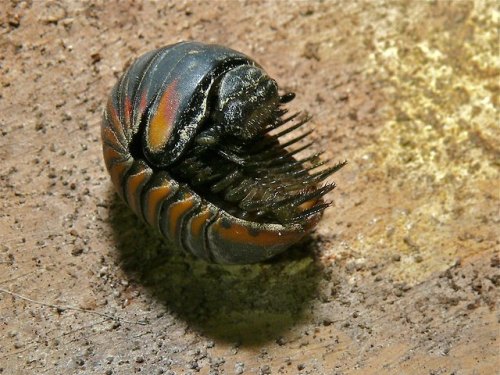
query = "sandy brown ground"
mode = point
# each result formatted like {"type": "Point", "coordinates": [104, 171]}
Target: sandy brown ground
{"type": "Point", "coordinates": [400, 277]}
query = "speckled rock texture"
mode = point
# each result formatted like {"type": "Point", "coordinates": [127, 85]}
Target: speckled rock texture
{"type": "Point", "coordinates": [400, 277]}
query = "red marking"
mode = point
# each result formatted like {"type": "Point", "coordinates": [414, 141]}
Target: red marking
{"type": "Point", "coordinates": [115, 122]}
{"type": "Point", "coordinates": [142, 105]}
{"type": "Point", "coordinates": [128, 111]}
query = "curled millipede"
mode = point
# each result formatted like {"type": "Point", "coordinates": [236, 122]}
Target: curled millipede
{"type": "Point", "coordinates": [198, 142]}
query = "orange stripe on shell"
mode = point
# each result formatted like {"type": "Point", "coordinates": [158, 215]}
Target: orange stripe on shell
{"type": "Point", "coordinates": [133, 183]}
{"type": "Point", "coordinates": [154, 198]}
{"type": "Point", "coordinates": [198, 221]}
{"type": "Point", "coordinates": [109, 137]}
{"type": "Point", "coordinates": [114, 122]}
{"type": "Point", "coordinates": [237, 233]}
{"type": "Point", "coordinates": [162, 123]}
{"type": "Point", "coordinates": [176, 211]}
{"type": "Point", "coordinates": [117, 171]}
{"type": "Point", "coordinates": [112, 156]}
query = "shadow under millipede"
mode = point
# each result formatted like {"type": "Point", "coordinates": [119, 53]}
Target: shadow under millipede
{"type": "Point", "coordinates": [249, 304]}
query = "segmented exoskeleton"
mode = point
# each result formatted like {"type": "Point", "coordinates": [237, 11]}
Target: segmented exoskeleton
{"type": "Point", "coordinates": [193, 140]}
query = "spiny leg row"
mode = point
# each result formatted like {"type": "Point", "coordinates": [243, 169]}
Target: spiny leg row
{"type": "Point", "coordinates": [264, 180]}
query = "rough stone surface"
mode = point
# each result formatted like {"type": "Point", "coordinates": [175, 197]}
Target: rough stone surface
{"type": "Point", "coordinates": [401, 275]}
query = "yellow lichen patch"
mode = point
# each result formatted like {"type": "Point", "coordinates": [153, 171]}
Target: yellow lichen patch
{"type": "Point", "coordinates": [435, 163]}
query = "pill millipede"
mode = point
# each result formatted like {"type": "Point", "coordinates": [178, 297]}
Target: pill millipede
{"type": "Point", "coordinates": [199, 144]}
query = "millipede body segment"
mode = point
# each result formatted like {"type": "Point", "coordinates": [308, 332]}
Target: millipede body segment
{"type": "Point", "coordinates": [199, 144]}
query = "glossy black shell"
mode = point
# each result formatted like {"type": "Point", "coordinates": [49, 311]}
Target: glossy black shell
{"type": "Point", "coordinates": [192, 138]}
{"type": "Point", "coordinates": [192, 68]}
